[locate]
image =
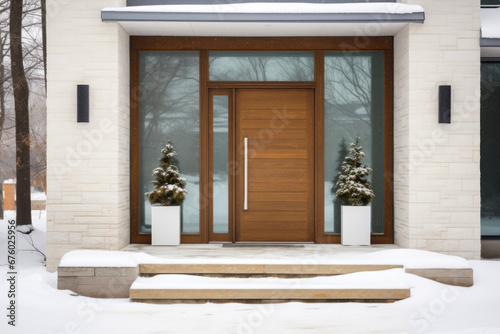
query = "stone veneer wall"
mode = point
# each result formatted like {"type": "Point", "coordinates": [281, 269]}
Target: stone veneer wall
{"type": "Point", "coordinates": [437, 177]}
{"type": "Point", "coordinates": [88, 163]}
{"type": "Point", "coordinates": [97, 282]}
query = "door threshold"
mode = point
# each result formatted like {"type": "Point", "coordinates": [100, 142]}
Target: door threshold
{"type": "Point", "coordinates": [262, 244]}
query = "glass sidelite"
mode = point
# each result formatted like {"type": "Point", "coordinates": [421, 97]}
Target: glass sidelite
{"type": "Point", "coordinates": [261, 66]}
{"type": "Point", "coordinates": [354, 105]}
{"type": "Point", "coordinates": [169, 110]}
{"type": "Point", "coordinates": [220, 164]}
{"type": "Point", "coordinates": [490, 152]}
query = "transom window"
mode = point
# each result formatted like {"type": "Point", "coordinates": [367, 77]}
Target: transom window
{"type": "Point", "coordinates": [261, 66]}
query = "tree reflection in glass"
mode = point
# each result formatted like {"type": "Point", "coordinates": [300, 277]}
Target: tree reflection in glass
{"type": "Point", "coordinates": [261, 66]}
{"type": "Point", "coordinates": [169, 110]}
{"type": "Point", "coordinates": [354, 104]}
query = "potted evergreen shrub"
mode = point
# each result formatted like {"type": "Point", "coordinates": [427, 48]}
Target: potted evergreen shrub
{"type": "Point", "coordinates": [354, 191]}
{"type": "Point", "coordinates": [166, 199]}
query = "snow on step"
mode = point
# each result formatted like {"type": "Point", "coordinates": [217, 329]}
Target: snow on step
{"type": "Point", "coordinates": [259, 269]}
{"type": "Point", "coordinates": [409, 258]}
{"type": "Point", "coordinates": [388, 279]}
{"type": "Point", "coordinates": [385, 285]}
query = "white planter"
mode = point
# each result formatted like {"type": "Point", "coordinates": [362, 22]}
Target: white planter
{"type": "Point", "coordinates": [356, 225]}
{"type": "Point", "coordinates": [165, 225]}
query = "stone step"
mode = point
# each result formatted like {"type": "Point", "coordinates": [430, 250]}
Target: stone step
{"type": "Point", "coordinates": [261, 270]}
{"type": "Point", "coordinates": [381, 286]}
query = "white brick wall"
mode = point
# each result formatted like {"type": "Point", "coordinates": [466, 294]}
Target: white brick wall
{"type": "Point", "coordinates": [436, 184]}
{"type": "Point", "coordinates": [88, 163]}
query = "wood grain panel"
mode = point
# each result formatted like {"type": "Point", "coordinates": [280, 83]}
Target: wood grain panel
{"type": "Point", "coordinates": [269, 294]}
{"type": "Point", "coordinates": [278, 143]}
{"type": "Point", "coordinates": [283, 163]}
{"type": "Point", "coordinates": [223, 270]}
{"type": "Point", "coordinates": [275, 124]}
{"type": "Point", "coordinates": [266, 135]}
{"type": "Point", "coordinates": [291, 231]}
{"type": "Point", "coordinates": [275, 197]}
{"type": "Point", "coordinates": [275, 107]}
{"type": "Point", "coordinates": [278, 207]}
{"type": "Point", "coordinates": [280, 165]}
{"type": "Point", "coordinates": [266, 153]}
{"type": "Point", "coordinates": [278, 174]}
{"type": "Point", "coordinates": [289, 216]}
{"type": "Point", "coordinates": [261, 43]}
{"type": "Point", "coordinates": [264, 114]}
{"type": "Point", "coordinates": [297, 186]}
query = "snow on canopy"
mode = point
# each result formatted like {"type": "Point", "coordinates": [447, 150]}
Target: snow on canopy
{"type": "Point", "coordinates": [279, 8]}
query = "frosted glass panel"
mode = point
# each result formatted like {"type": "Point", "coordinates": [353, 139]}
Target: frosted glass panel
{"type": "Point", "coordinates": [220, 164]}
{"type": "Point", "coordinates": [169, 110]}
{"type": "Point", "coordinates": [261, 66]}
{"type": "Point", "coordinates": [490, 154]}
{"type": "Point", "coordinates": [354, 107]}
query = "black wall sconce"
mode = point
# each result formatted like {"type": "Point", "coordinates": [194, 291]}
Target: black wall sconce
{"type": "Point", "coordinates": [444, 104]}
{"type": "Point", "coordinates": [82, 96]}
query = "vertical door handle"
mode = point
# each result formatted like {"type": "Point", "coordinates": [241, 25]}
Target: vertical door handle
{"type": "Point", "coordinates": [245, 194]}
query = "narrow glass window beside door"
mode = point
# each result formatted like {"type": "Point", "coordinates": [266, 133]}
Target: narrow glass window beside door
{"type": "Point", "coordinates": [490, 153]}
{"type": "Point", "coordinates": [169, 110]}
{"type": "Point", "coordinates": [220, 164]}
{"type": "Point", "coordinates": [354, 106]}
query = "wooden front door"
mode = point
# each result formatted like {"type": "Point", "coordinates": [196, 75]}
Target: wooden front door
{"type": "Point", "coordinates": [275, 177]}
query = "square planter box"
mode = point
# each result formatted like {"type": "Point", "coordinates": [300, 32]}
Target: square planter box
{"type": "Point", "coordinates": [165, 225]}
{"type": "Point", "coordinates": [356, 225]}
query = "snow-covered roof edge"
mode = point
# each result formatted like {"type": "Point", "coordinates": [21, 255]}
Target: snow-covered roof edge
{"type": "Point", "coordinates": [205, 2]}
{"type": "Point", "coordinates": [269, 12]}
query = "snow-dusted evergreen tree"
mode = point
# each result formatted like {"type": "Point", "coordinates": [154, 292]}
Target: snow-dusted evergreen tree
{"type": "Point", "coordinates": [168, 184]}
{"type": "Point", "coordinates": [353, 187]}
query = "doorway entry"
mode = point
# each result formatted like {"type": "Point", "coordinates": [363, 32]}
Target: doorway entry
{"type": "Point", "coordinates": [275, 152]}
{"type": "Point", "coordinates": [298, 109]}
{"type": "Point", "coordinates": [270, 164]}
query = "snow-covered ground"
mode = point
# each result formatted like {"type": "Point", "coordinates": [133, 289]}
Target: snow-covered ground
{"type": "Point", "coordinates": [38, 196]}
{"type": "Point", "coordinates": [433, 307]}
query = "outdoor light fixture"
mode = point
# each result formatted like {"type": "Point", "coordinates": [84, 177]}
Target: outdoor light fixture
{"type": "Point", "coordinates": [82, 95]}
{"type": "Point", "coordinates": [444, 104]}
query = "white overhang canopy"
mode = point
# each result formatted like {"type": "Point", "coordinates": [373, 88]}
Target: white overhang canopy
{"type": "Point", "coordinates": [490, 32]}
{"type": "Point", "coordinates": [266, 19]}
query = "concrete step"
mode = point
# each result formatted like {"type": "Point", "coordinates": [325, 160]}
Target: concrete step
{"type": "Point", "coordinates": [259, 270]}
{"type": "Point", "coordinates": [380, 286]}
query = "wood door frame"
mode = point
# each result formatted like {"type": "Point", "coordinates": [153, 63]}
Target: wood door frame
{"type": "Point", "coordinates": [318, 45]}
